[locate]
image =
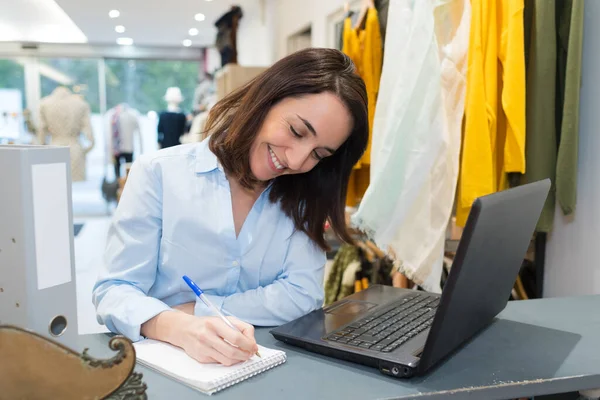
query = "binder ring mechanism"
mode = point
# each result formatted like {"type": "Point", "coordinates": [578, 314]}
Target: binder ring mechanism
{"type": "Point", "coordinates": [57, 326]}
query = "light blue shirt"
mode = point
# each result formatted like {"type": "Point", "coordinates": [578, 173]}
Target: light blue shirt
{"type": "Point", "coordinates": [174, 218]}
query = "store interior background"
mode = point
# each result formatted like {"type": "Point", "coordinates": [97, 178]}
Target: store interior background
{"type": "Point", "coordinates": [48, 43]}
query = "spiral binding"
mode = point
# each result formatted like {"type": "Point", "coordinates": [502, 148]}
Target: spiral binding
{"type": "Point", "coordinates": [248, 372]}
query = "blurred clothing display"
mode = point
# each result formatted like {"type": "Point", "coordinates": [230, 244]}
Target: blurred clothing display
{"type": "Point", "coordinates": [364, 47]}
{"type": "Point", "coordinates": [172, 123]}
{"type": "Point", "coordinates": [123, 129]}
{"type": "Point", "coordinates": [64, 117]}
{"type": "Point", "coordinates": [226, 41]}
{"type": "Point", "coordinates": [494, 133]}
{"type": "Point", "coordinates": [382, 9]}
{"type": "Point", "coordinates": [417, 136]}
{"type": "Point", "coordinates": [171, 126]}
{"type": "Point", "coordinates": [204, 94]}
{"type": "Point", "coordinates": [553, 51]}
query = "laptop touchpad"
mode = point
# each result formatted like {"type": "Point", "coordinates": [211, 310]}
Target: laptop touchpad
{"type": "Point", "coordinates": [351, 308]}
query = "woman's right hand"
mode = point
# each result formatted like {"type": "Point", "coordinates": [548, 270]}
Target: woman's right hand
{"type": "Point", "coordinates": [209, 339]}
{"type": "Point", "coordinates": [204, 338]}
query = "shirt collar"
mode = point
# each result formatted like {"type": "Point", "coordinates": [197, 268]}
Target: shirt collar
{"type": "Point", "coordinates": [206, 160]}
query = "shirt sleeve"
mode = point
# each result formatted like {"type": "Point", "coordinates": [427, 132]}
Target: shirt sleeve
{"type": "Point", "coordinates": [131, 256]}
{"type": "Point", "coordinates": [297, 291]}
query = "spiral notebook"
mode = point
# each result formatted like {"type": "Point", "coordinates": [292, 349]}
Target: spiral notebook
{"type": "Point", "coordinates": [206, 378]}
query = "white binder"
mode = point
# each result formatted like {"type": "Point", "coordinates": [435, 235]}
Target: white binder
{"type": "Point", "coordinates": [37, 264]}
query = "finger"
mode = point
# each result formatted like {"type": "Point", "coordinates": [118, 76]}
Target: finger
{"type": "Point", "coordinates": [220, 357]}
{"type": "Point", "coordinates": [233, 336]}
{"type": "Point", "coordinates": [198, 353]}
{"type": "Point", "coordinates": [205, 351]}
{"type": "Point", "coordinates": [229, 351]}
{"type": "Point", "coordinates": [204, 359]}
{"type": "Point", "coordinates": [247, 330]}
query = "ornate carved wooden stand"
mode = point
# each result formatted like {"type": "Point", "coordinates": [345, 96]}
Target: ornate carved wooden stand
{"type": "Point", "coordinates": [34, 367]}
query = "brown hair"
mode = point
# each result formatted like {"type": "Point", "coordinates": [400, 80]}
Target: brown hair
{"type": "Point", "coordinates": [309, 199]}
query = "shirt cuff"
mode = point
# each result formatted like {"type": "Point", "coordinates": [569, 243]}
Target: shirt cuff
{"type": "Point", "coordinates": [201, 310]}
{"type": "Point", "coordinates": [131, 325]}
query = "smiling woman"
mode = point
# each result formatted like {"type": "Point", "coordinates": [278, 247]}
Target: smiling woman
{"type": "Point", "coordinates": [303, 121]}
{"type": "Point", "coordinates": [241, 213]}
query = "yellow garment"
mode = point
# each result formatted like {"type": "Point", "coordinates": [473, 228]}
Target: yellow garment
{"type": "Point", "coordinates": [494, 134]}
{"type": "Point", "coordinates": [364, 47]}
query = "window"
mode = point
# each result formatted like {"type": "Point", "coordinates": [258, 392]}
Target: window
{"type": "Point", "coordinates": [12, 76]}
{"type": "Point", "coordinates": [12, 100]}
{"type": "Point", "coordinates": [79, 75]}
{"type": "Point", "coordinates": [143, 83]}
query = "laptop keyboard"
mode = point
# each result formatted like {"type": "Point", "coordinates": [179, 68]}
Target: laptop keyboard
{"type": "Point", "coordinates": [387, 329]}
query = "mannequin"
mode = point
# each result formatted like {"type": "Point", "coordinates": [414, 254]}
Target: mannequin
{"type": "Point", "coordinates": [65, 116]}
{"type": "Point", "coordinates": [124, 128]}
{"type": "Point", "coordinates": [172, 122]}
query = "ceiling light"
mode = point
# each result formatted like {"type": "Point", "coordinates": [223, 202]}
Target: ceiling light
{"type": "Point", "coordinates": [119, 29]}
{"type": "Point", "coordinates": [50, 24]}
{"type": "Point", "coordinates": [187, 42]}
{"type": "Point", "coordinates": [193, 32]}
{"type": "Point", "coordinates": [125, 41]}
{"type": "Point", "coordinates": [114, 13]}
{"type": "Point", "coordinates": [199, 17]}
{"type": "Point", "coordinates": [208, 0]}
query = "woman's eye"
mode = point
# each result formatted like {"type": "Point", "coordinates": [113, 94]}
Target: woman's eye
{"type": "Point", "coordinates": [317, 156]}
{"type": "Point", "coordinates": [294, 132]}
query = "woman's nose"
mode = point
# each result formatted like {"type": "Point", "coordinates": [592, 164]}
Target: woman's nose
{"type": "Point", "coordinates": [297, 157]}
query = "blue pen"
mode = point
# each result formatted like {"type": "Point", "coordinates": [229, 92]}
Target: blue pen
{"type": "Point", "coordinates": [200, 293]}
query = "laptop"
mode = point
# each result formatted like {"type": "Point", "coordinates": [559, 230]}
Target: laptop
{"type": "Point", "coordinates": [406, 332]}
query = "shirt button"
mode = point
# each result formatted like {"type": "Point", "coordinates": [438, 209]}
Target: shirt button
{"type": "Point", "coordinates": [235, 264]}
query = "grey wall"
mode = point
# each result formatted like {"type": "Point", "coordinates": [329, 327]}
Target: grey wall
{"type": "Point", "coordinates": [573, 248]}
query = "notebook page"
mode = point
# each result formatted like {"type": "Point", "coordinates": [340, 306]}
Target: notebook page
{"type": "Point", "coordinates": [174, 362]}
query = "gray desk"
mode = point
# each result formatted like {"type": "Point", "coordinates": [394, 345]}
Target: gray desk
{"type": "Point", "coordinates": [535, 347]}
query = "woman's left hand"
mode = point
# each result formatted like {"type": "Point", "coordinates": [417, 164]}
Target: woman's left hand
{"type": "Point", "coordinates": [187, 308]}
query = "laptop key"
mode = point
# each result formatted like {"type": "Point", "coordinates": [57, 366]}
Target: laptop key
{"type": "Point", "coordinates": [344, 340]}
{"type": "Point", "coordinates": [355, 342]}
{"type": "Point", "coordinates": [387, 349]}
{"type": "Point", "coordinates": [369, 339]}
{"type": "Point", "coordinates": [365, 345]}
{"type": "Point", "coordinates": [377, 347]}
{"type": "Point", "coordinates": [386, 342]}
{"type": "Point", "coordinates": [387, 331]}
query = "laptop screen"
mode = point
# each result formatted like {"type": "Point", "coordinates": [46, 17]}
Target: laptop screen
{"type": "Point", "coordinates": [487, 262]}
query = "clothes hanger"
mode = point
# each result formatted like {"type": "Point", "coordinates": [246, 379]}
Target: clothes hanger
{"type": "Point", "coordinates": [366, 5]}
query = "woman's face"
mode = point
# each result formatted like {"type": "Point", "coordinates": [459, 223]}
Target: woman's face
{"type": "Point", "coordinates": [297, 133]}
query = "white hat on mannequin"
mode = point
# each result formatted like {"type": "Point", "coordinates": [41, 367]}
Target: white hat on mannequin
{"type": "Point", "coordinates": [173, 95]}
